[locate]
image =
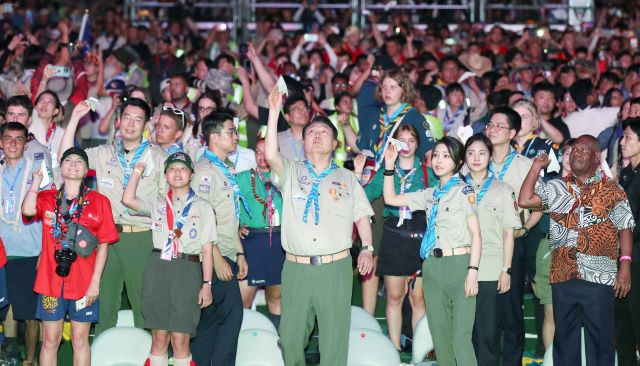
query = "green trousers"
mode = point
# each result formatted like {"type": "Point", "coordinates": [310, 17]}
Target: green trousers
{"type": "Point", "coordinates": [316, 291]}
{"type": "Point", "coordinates": [124, 268]}
{"type": "Point", "coordinates": [450, 314]}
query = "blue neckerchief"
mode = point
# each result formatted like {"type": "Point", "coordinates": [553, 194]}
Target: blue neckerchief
{"type": "Point", "coordinates": [379, 155]}
{"type": "Point", "coordinates": [507, 163]}
{"type": "Point", "coordinates": [448, 122]}
{"type": "Point", "coordinates": [174, 148]}
{"type": "Point", "coordinates": [484, 188]}
{"type": "Point", "coordinates": [127, 169]}
{"type": "Point", "coordinates": [17, 175]}
{"type": "Point", "coordinates": [312, 198]}
{"type": "Point", "coordinates": [237, 194]}
{"type": "Point", "coordinates": [429, 238]}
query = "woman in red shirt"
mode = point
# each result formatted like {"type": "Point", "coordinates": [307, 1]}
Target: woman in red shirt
{"type": "Point", "coordinates": [77, 225]}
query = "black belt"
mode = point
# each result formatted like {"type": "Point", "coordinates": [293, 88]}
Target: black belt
{"type": "Point", "coordinates": [189, 257]}
{"type": "Point", "coordinates": [263, 230]}
{"type": "Point", "coordinates": [405, 233]}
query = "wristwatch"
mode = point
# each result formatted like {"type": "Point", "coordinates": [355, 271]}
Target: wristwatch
{"type": "Point", "coordinates": [506, 270]}
{"type": "Point", "coordinates": [368, 247]}
{"type": "Point", "coordinates": [207, 282]}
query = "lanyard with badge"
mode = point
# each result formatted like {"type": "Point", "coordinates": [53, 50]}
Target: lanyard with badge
{"type": "Point", "coordinates": [128, 168]}
{"type": "Point", "coordinates": [484, 188]}
{"type": "Point", "coordinates": [237, 194]}
{"type": "Point", "coordinates": [10, 203]}
{"type": "Point", "coordinates": [429, 238]}
{"type": "Point", "coordinates": [312, 198]}
{"type": "Point", "coordinates": [170, 249]}
{"type": "Point", "coordinates": [504, 169]}
{"type": "Point", "coordinates": [404, 213]}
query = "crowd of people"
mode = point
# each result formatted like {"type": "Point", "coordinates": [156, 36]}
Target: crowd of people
{"type": "Point", "coordinates": [451, 169]}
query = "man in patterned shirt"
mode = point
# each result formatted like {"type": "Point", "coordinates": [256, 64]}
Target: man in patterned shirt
{"type": "Point", "coordinates": [591, 230]}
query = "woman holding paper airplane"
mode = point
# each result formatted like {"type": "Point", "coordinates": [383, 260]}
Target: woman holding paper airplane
{"type": "Point", "coordinates": [399, 259]}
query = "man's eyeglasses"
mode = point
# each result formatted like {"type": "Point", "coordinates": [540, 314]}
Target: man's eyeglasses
{"type": "Point", "coordinates": [496, 126]}
{"type": "Point", "coordinates": [231, 132]}
{"type": "Point", "coordinates": [175, 111]}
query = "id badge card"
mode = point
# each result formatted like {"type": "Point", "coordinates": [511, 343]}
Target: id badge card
{"type": "Point", "coordinates": [10, 204]}
{"type": "Point", "coordinates": [81, 304]}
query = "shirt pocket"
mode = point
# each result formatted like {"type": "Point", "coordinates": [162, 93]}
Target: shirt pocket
{"type": "Point", "coordinates": [341, 202]}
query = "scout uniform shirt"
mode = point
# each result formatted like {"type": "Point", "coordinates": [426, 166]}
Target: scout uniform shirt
{"type": "Point", "coordinates": [110, 178]}
{"type": "Point", "coordinates": [342, 202]}
{"type": "Point", "coordinates": [498, 210]}
{"type": "Point", "coordinates": [514, 176]}
{"type": "Point", "coordinates": [454, 209]}
{"type": "Point", "coordinates": [210, 183]}
{"type": "Point", "coordinates": [197, 230]}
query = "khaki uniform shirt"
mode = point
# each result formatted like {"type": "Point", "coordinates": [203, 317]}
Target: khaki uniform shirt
{"type": "Point", "coordinates": [110, 179]}
{"type": "Point", "coordinates": [514, 177]}
{"type": "Point", "coordinates": [196, 231]}
{"type": "Point", "coordinates": [454, 209]}
{"type": "Point", "coordinates": [210, 183]}
{"type": "Point", "coordinates": [342, 202]}
{"type": "Point", "coordinates": [497, 211]}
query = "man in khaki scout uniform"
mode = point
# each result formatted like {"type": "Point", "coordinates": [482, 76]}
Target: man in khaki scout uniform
{"type": "Point", "coordinates": [216, 339]}
{"type": "Point", "coordinates": [114, 164]}
{"type": "Point", "coordinates": [320, 203]}
{"type": "Point", "coordinates": [510, 167]}
{"type": "Point", "coordinates": [176, 284]}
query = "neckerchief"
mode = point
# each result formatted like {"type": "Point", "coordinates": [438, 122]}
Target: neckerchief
{"type": "Point", "coordinates": [123, 163]}
{"type": "Point", "coordinates": [504, 169]}
{"type": "Point", "coordinates": [405, 184]}
{"type": "Point", "coordinates": [50, 130]}
{"type": "Point", "coordinates": [447, 122]}
{"type": "Point", "coordinates": [312, 198]}
{"type": "Point", "coordinates": [386, 124]}
{"type": "Point", "coordinates": [170, 249]}
{"type": "Point", "coordinates": [174, 148]}
{"type": "Point", "coordinates": [237, 194]}
{"type": "Point", "coordinates": [268, 211]}
{"type": "Point", "coordinates": [484, 188]}
{"type": "Point", "coordinates": [429, 238]}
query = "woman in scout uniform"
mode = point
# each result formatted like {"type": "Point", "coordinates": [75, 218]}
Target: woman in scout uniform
{"type": "Point", "coordinates": [193, 139]}
{"type": "Point", "coordinates": [176, 285]}
{"type": "Point", "coordinates": [260, 234]}
{"type": "Point", "coordinates": [452, 255]}
{"type": "Point", "coordinates": [399, 260]}
{"type": "Point", "coordinates": [382, 107]}
{"type": "Point", "coordinates": [527, 142]}
{"type": "Point", "coordinates": [77, 226]}
{"type": "Point", "coordinates": [498, 216]}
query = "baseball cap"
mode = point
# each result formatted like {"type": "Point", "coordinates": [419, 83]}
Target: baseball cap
{"type": "Point", "coordinates": [75, 151]}
{"type": "Point", "coordinates": [178, 157]}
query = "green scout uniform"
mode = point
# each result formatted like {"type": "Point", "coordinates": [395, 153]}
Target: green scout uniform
{"type": "Point", "coordinates": [257, 219]}
{"type": "Point", "coordinates": [127, 258]}
{"type": "Point", "coordinates": [171, 287]}
{"type": "Point", "coordinates": [324, 288]}
{"type": "Point", "coordinates": [497, 210]}
{"type": "Point", "coordinates": [450, 314]}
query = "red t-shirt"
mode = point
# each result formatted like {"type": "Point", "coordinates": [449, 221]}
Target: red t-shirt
{"type": "Point", "coordinates": [97, 218]}
{"type": "Point", "coordinates": [3, 254]}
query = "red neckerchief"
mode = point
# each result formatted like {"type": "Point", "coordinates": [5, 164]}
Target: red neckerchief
{"type": "Point", "coordinates": [50, 130]}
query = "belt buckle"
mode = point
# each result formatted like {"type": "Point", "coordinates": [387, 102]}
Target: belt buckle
{"type": "Point", "coordinates": [315, 260]}
{"type": "Point", "coordinates": [437, 253]}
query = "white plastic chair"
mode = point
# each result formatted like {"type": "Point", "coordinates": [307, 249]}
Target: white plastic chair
{"type": "Point", "coordinates": [121, 346]}
{"type": "Point", "coordinates": [548, 354]}
{"type": "Point", "coordinates": [361, 319]}
{"type": "Point", "coordinates": [422, 342]}
{"type": "Point", "coordinates": [125, 318]}
{"type": "Point", "coordinates": [370, 348]}
{"type": "Point", "coordinates": [258, 347]}
{"type": "Point", "coordinates": [252, 319]}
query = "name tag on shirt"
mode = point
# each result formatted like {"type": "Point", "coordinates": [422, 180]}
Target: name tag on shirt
{"type": "Point", "coordinates": [106, 183]}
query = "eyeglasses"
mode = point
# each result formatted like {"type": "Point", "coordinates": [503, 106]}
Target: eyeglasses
{"type": "Point", "coordinates": [175, 111]}
{"type": "Point", "coordinates": [129, 118]}
{"type": "Point", "coordinates": [231, 132]}
{"type": "Point", "coordinates": [496, 126]}
{"type": "Point", "coordinates": [340, 85]}
{"type": "Point", "coordinates": [205, 109]}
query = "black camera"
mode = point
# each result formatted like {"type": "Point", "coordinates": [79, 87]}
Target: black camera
{"type": "Point", "coordinates": [64, 258]}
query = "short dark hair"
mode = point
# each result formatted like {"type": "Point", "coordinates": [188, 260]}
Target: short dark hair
{"type": "Point", "coordinates": [431, 96]}
{"type": "Point", "coordinates": [182, 76]}
{"type": "Point", "coordinates": [446, 59]}
{"type": "Point", "coordinates": [633, 101]}
{"type": "Point", "coordinates": [499, 98]}
{"type": "Point", "coordinates": [633, 123]}
{"type": "Point", "coordinates": [455, 148]}
{"type": "Point", "coordinates": [21, 101]}
{"type": "Point", "coordinates": [339, 96]}
{"type": "Point", "coordinates": [14, 126]}
{"type": "Point", "coordinates": [454, 87]}
{"type": "Point", "coordinates": [580, 91]}
{"type": "Point", "coordinates": [543, 86]}
{"type": "Point", "coordinates": [482, 138]}
{"type": "Point", "coordinates": [293, 100]}
{"type": "Point", "coordinates": [213, 123]}
{"type": "Point", "coordinates": [223, 56]}
{"type": "Point", "coordinates": [513, 118]}
{"type": "Point", "coordinates": [337, 76]}
{"type": "Point", "coordinates": [324, 120]}
{"type": "Point", "coordinates": [137, 102]}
